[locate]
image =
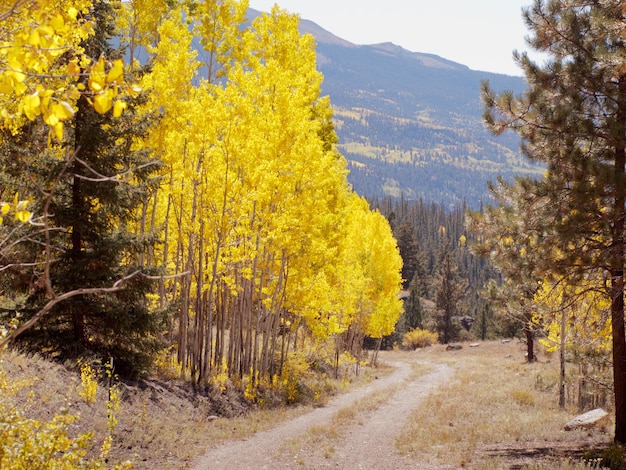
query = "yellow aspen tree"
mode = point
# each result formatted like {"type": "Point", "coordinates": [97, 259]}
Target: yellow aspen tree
{"type": "Point", "coordinates": [576, 319]}
{"type": "Point", "coordinates": [218, 26]}
{"type": "Point", "coordinates": [255, 203]}
{"type": "Point", "coordinates": [381, 265]}
{"type": "Point", "coordinates": [42, 62]}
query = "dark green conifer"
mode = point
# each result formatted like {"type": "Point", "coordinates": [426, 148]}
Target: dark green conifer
{"type": "Point", "coordinates": [95, 193]}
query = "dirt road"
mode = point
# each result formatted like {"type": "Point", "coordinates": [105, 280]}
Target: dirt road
{"type": "Point", "coordinates": [366, 442]}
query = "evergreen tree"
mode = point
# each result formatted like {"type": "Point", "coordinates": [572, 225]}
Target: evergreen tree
{"type": "Point", "coordinates": [94, 192]}
{"type": "Point", "coordinates": [509, 236]}
{"type": "Point", "coordinates": [450, 289]}
{"type": "Point", "coordinates": [573, 118]}
{"type": "Point", "coordinates": [413, 310]}
{"type": "Point", "coordinates": [410, 253]}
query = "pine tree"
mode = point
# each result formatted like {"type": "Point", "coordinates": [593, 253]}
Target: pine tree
{"type": "Point", "coordinates": [450, 289]}
{"type": "Point", "coordinates": [573, 118]}
{"type": "Point", "coordinates": [509, 235]}
{"type": "Point", "coordinates": [94, 187]}
{"type": "Point", "coordinates": [412, 263]}
{"type": "Point", "coordinates": [413, 310]}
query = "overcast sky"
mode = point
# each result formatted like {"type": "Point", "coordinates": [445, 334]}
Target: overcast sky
{"type": "Point", "coordinates": [481, 34]}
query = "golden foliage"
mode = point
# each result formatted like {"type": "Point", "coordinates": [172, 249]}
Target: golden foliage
{"type": "Point", "coordinates": [418, 338]}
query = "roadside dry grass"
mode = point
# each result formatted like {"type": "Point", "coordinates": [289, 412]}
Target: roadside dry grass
{"type": "Point", "coordinates": [326, 437]}
{"type": "Point", "coordinates": [497, 412]}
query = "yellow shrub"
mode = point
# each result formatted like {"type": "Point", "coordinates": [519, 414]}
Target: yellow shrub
{"type": "Point", "coordinates": [419, 338]}
{"type": "Point", "coordinates": [221, 378]}
{"type": "Point", "coordinates": [88, 384]}
{"type": "Point", "coordinates": [27, 443]}
{"type": "Point", "coordinates": [295, 368]}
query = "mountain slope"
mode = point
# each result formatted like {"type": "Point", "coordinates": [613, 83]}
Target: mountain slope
{"type": "Point", "coordinates": [411, 122]}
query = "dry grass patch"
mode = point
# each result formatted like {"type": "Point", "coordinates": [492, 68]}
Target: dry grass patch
{"type": "Point", "coordinates": [492, 403]}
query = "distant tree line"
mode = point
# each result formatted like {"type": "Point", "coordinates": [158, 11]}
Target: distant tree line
{"type": "Point", "coordinates": [442, 278]}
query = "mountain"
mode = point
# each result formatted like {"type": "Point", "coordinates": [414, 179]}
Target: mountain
{"type": "Point", "coordinates": [411, 123]}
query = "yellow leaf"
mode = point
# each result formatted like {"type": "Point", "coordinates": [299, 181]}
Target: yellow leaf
{"type": "Point", "coordinates": [58, 130]}
{"type": "Point", "coordinates": [63, 110]}
{"type": "Point", "coordinates": [34, 39]}
{"type": "Point", "coordinates": [50, 118]}
{"type": "Point", "coordinates": [21, 205]}
{"type": "Point", "coordinates": [102, 103]}
{"type": "Point", "coordinates": [20, 88]}
{"type": "Point", "coordinates": [97, 76]}
{"type": "Point", "coordinates": [119, 107]}
{"type": "Point", "coordinates": [116, 71]}
{"type": "Point", "coordinates": [31, 106]}
{"type": "Point", "coordinates": [23, 216]}
{"type": "Point", "coordinates": [6, 84]}
{"type": "Point", "coordinates": [73, 68]}
{"type": "Point", "coordinates": [58, 23]}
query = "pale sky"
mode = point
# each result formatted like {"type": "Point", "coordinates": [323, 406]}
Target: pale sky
{"type": "Point", "coordinates": [481, 34]}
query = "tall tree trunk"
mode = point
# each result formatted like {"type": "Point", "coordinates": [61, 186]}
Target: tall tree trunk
{"type": "Point", "coordinates": [562, 360]}
{"type": "Point", "coordinates": [617, 275]}
{"type": "Point", "coordinates": [617, 300]}
{"type": "Point", "coordinates": [77, 316]}
{"type": "Point", "coordinates": [530, 344]}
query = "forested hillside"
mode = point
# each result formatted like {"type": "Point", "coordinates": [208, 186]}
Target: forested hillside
{"type": "Point", "coordinates": [411, 123]}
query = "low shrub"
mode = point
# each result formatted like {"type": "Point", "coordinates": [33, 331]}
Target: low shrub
{"type": "Point", "coordinates": [419, 338]}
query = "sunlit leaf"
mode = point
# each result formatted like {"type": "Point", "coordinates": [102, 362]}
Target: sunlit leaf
{"type": "Point", "coordinates": [102, 103]}
{"type": "Point", "coordinates": [116, 71]}
{"type": "Point", "coordinates": [23, 216]}
{"type": "Point", "coordinates": [119, 107]}
{"type": "Point", "coordinates": [97, 77]}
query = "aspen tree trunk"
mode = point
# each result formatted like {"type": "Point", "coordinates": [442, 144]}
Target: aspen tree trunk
{"type": "Point", "coordinates": [208, 337]}
{"type": "Point", "coordinates": [200, 308]}
{"type": "Point", "coordinates": [142, 230]}
{"type": "Point", "coordinates": [166, 246]}
{"type": "Point", "coordinates": [150, 258]}
{"type": "Point", "coordinates": [247, 302]}
{"type": "Point", "coordinates": [190, 341]}
{"type": "Point", "coordinates": [183, 325]}
{"type": "Point", "coordinates": [211, 305]}
{"type": "Point", "coordinates": [192, 268]}
{"type": "Point", "coordinates": [270, 337]}
{"type": "Point", "coordinates": [258, 330]}
{"type": "Point", "coordinates": [268, 326]}
{"type": "Point", "coordinates": [234, 340]}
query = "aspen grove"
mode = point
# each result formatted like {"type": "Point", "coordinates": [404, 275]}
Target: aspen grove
{"type": "Point", "coordinates": [247, 249]}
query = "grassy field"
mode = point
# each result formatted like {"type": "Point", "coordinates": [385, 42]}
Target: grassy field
{"type": "Point", "coordinates": [497, 412]}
